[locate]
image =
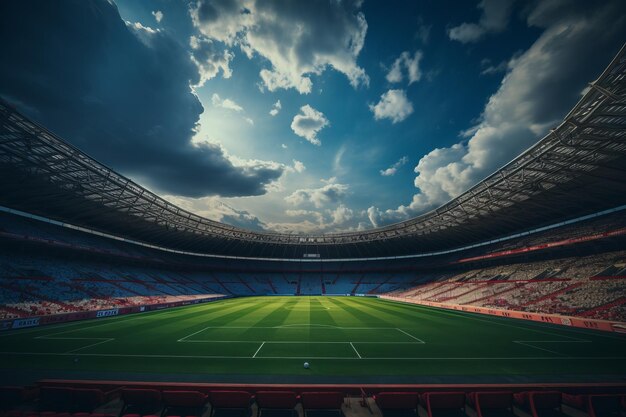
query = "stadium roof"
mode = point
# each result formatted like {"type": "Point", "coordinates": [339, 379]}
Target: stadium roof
{"type": "Point", "coordinates": [576, 169]}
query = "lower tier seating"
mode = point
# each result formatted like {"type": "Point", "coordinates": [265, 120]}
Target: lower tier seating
{"type": "Point", "coordinates": [77, 400]}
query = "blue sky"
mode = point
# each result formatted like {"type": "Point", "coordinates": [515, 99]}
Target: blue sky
{"type": "Point", "coordinates": [387, 109]}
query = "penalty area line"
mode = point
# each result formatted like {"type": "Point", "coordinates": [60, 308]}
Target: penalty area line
{"type": "Point", "coordinates": [257, 351]}
{"type": "Point", "coordinates": [411, 336]}
{"type": "Point", "coordinates": [529, 343]}
{"type": "Point", "coordinates": [88, 346]}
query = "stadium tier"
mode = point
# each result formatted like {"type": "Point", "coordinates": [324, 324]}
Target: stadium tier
{"type": "Point", "coordinates": [573, 270]}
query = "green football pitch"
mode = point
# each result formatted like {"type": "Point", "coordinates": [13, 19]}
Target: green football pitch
{"type": "Point", "coordinates": [345, 339]}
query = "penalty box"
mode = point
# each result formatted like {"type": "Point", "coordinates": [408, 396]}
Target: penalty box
{"type": "Point", "coordinates": [301, 341]}
{"type": "Point", "coordinates": [300, 334]}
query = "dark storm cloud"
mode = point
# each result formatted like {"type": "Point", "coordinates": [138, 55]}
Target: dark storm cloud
{"type": "Point", "coordinates": [120, 92]}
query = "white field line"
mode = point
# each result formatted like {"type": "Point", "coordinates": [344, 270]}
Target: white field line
{"type": "Point", "coordinates": [101, 340]}
{"type": "Point", "coordinates": [194, 333]}
{"type": "Point", "coordinates": [104, 321]}
{"type": "Point", "coordinates": [530, 343]}
{"type": "Point", "coordinates": [257, 351]}
{"type": "Point", "coordinates": [292, 326]}
{"type": "Point", "coordinates": [455, 313]}
{"type": "Point", "coordinates": [411, 336]}
{"type": "Point", "coordinates": [269, 342]}
{"type": "Point", "coordinates": [93, 344]}
{"type": "Point", "coordinates": [356, 351]}
{"type": "Point", "coordinates": [319, 357]}
{"type": "Point", "coordinates": [493, 320]}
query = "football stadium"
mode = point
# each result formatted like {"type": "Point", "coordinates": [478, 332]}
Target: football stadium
{"type": "Point", "coordinates": [508, 299]}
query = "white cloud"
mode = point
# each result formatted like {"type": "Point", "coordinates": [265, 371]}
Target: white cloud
{"type": "Point", "coordinates": [298, 40]}
{"type": "Point", "coordinates": [393, 105]}
{"type": "Point", "coordinates": [209, 59]}
{"type": "Point", "coordinates": [276, 108]}
{"type": "Point", "coordinates": [226, 103]}
{"type": "Point", "coordinates": [408, 64]}
{"type": "Point", "coordinates": [308, 123]}
{"type": "Point", "coordinates": [214, 209]}
{"type": "Point", "coordinates": [331, 192]}
{"type": "Point", "coordinates": [540, 86]}
{"type": "Point", "coordinates": [282, 145]}
{"type": "Point", "coordinates": [298, 166]}
{"type": "Point", "coordinates": [494, 18]}
{"type": "Point", "coordinates": [158, 15]}
{"type": "Point", "coordinates": [341, 214]}
{"type": "Point", "coordinates": [312, 221]}
{"type": "Point", "coordinates": [391, 171]}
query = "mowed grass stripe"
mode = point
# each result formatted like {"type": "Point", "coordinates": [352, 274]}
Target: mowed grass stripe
{"type": "Point", "coordinates": [369, 315]}
{"type": "Point", "coordinates": [442, 316]}
{"type": "Point", "coordinates": [296, 329]}
{"type": "Point", "coordinates": [546, 338]}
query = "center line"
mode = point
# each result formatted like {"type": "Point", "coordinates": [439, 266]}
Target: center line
{"type": "Point", "coordinates": [257, 351]}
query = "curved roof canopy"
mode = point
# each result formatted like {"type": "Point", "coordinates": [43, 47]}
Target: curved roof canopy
{"type": "Point", "coordinates": [576, 169]}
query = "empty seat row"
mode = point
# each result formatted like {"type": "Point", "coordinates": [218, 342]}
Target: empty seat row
{"type": "Point", "coordinates": [135, 402]}
{"type": "Point", "coordinates": [146, 402]}
{"type": "Point", "coordinates": [500, 403]}
{"type": "Point", "coordinates": [52, 401]}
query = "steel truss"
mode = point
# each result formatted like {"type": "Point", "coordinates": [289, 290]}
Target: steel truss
{"type": "Point", "coordinates": [577, 168]}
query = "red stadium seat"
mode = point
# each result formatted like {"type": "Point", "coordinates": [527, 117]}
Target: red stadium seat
{"type": "Point", "coordinates": [605, 405]}
{"type": "Point", "coordinates": [491, 403]}
{"type": "Point", "coordinates": [141, 401]}
{"type": "Point", "coordinates": [439, 403]}
{"type": "Point", "coordinates": [277, 403]}
{"type": "Point", "coordinates": [397, 403]}
{"type": "Point", "coordinates": [230, 403]}
{"type": "Point", "coordinates": [87, 400]}
{"type": "Point", "coordinates": [540, 403]}
{"type": "Point", "coordinates": [596, 405]}
{"type": "Point", "coordinates": [58, 399]}
{"type": "Point", "coordinates": [322, 403]}
{"type": "Point", "coordinates": [184, 403]}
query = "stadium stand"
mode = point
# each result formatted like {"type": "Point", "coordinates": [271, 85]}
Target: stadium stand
{"type": "Point", "coordinates": [58, 398]}
{"type": "Point", "coordinates": [45, 277]}
{"type": "Point", "coordinates": [490, 403]}
{"type": "Point", "coordinates": [589, 286]}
